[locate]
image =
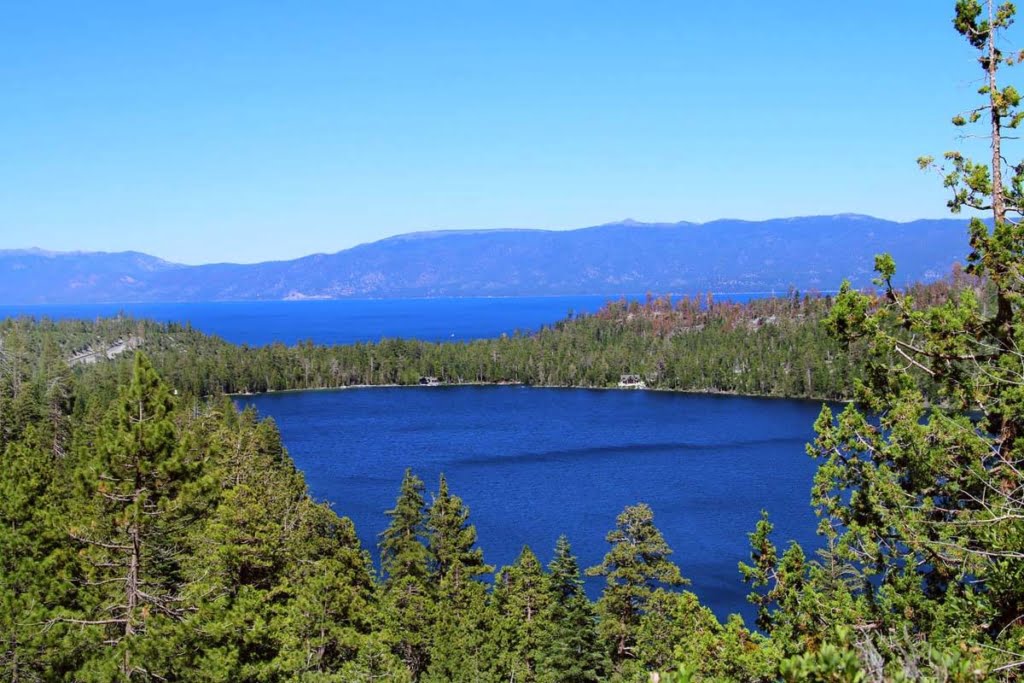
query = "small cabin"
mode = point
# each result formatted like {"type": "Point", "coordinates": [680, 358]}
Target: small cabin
{"type": "Point", "coordinates": [631, 382]}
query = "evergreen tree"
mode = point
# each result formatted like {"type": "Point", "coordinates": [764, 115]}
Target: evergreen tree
{"type": "Point", "coordinates": [636, 565]}
{"type": "Point", "coordinates": [920, 484]}
{"type": "Point", "coordinates": [403, 552]}
{"type": "Point", "coordinates": [452, 540]}
{"type": "Point", "coordinates": [374, 663]}
{"type": "Point", "coordinates": [462, 638]}
{"type": "Point", "coordinates": [570, 650]}
{"type": "Point", "coordinates": [280, 587]}
{"type": "Point", "coordinates": [522, 600]}
{"type": "Point", "coordinates": [408, 594]}
{"type": "Point", "coordinates": [331, 611]}
{"type": "Point", "coordinates": [137, 486]}
{"type": "Point", "coordinates": [36, 565]}
{"type": "Point", "coordinates": [463, 642]}
{"type": "Point", "coordinates": [778, 582]}
{"type": "Point", "coordinates": [237, 577]}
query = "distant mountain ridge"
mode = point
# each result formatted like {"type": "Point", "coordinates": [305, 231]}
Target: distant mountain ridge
{"type": "Point", "coordinates": [623, 257]}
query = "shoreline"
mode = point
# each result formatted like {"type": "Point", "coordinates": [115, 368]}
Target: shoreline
{"type": "Point", "coordinates": [662, 390]}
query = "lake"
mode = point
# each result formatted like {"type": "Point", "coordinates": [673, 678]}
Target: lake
{"type": "Point", "coordinates": [534, 463]}
{"type": "Point", "coordinates": [341, 321]}
{"type": "Point", "coordinates": [345, 321]}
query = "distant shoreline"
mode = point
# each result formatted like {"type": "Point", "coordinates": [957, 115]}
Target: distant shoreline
{"type": "Point", "coordinates": [455, 385]}
{"type": "Point", "coordinates": [354, 299]}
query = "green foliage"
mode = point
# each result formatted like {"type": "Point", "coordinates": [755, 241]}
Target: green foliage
{"type": "Point", "coordinates": [403, 550]}
{"type": "Point", "coordinates": [137, 488]}
{"type": "Point", "coordinates": [764, 347]}
{"type": "Point", "coordinates": [453, 557]}
{"type": "Point", "coordinates": [920, 484]}
{"type": "Point", "coordinates": [570, 649]}
{"type": "Point", "coordinates": [462, 647]}
{"type": "Point", "coordinates": [782, 586]}
{"type": "Point", "coordinates": [522, 599]}
{"type": "Point", "coordinates": [704, 649]}
{"type": "Point", "coordinates": [828, 665]}
{"type": "Point", "coordinates": [635, 568]}
{"type": "Point", "coordinates": [408, 591]}
{"type": "Point", "coordinates": [37, 567]}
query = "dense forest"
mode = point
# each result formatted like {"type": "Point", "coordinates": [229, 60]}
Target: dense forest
{"type": "Point", "coordinates": [769, 347]}
{"type": "Point", "coordinates": [150, 531]}
{"type": "Point", "coordinates": [765, 347]}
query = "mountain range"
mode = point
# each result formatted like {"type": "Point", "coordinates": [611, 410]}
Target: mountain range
{"type": "Point", "coordinates": [623, 257]}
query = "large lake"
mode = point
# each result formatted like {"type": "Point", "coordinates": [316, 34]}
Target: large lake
{"type": "Point", "coordinates": [535, 463]}
{"type": "Point", "coordinates": [342, 321]}
{"type": "Point", "coordinates": [345, 321]}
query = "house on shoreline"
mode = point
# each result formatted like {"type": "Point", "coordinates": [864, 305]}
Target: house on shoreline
{"type": "Point", "coordinates": [632, 382]}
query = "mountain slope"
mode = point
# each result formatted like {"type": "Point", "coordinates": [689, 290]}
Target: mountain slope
{"type": "Point", "coordinates": [38, 276]}
{"type": "Point", "coordinates": [623, 257]}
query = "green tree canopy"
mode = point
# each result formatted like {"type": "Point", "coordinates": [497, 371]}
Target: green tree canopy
{"type": "Point", "coordinates": [634, 568]}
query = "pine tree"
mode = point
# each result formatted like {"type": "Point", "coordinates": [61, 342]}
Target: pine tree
{"type": "Point", "coordinates": [374, 663]}
{"type": "Point", "coordinates": [570, 647]}
{"type": "Point", "coordinates": [403, 552]}
{"type": "Point", "coordinates": [463, 642]}
{"type": "Point", "coordinates": [331, 608]}
{"type": "Point", "coordinates": [138, 486]}
{"type": "Point", "coordinates": [36, 565]}
{"type": "Point", "coordinates": [279, 586]}
{"type": "Point", "coordinates": [921, 483]}
{"type": "Point", "coordinates": [408, 595]}
{"type": "Point", "coordinates": [635, 566]}
{"type": "Point", "coordinates": [777, 582]}
{"type": "Point", "coordinates": [452, 540]}
{"type": "Point", "coordinates": [522, 600]}
{"type": "Point", "coordinates": [462, 646]}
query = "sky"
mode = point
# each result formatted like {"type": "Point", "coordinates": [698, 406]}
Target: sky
{"type": "Point", "coordinates": [249, 131]}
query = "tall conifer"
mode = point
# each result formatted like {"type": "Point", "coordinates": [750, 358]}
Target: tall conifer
{"type": "Point", "coordinates": [408, 593]}
{"type": "Point", "coordinates": [463, 645]}
{"type": "Point", "coordinates": [452, 540]}
{"type": "Point", "coordinates": [570, 649]}
{"type": "Point", "coordinates": [136, 487]}
{"type": "Point", "coordinates": [635, 566]}
{"type": "Point", "coordinates": [522, 599]}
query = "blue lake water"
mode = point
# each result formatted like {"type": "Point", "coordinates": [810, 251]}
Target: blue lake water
{"type": "Point", "coordinates": [535, 463]}
{"type": "Point", "coordinates": [344, 321]}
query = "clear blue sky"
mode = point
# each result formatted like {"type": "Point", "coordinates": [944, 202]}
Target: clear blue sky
{"type": "Point", "coordinates": [246, 131]}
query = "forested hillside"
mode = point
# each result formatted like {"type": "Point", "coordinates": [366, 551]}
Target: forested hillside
{"type": "Point", "coordinates": [768, 347]}
{"type": "Point", "coordinates": [774, 347]}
